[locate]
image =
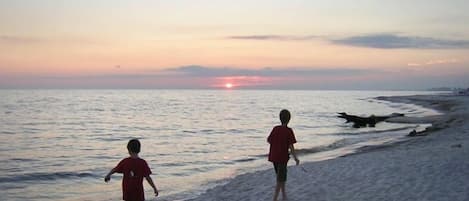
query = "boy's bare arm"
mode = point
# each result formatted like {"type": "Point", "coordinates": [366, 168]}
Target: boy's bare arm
{"type": "Point", "coordinates": [150, 181]}
{"type": "Point", "coordinates": [293, 152]}
{"type": "Point", "coordinates": [108, 176]}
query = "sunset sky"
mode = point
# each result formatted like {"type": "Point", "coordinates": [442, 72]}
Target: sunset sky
{"type": "Point", "coordinates": [274, 44]}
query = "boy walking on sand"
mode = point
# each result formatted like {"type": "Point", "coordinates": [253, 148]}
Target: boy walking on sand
{"type": "Point", "coordinates": [281, 139]}
{"type": "Point", "coordinates": [134, 170]}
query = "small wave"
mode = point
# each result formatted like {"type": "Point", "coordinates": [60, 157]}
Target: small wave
{"type": "Point", "coordinates": [376, 132]}
{"type": "Point", "coordinates": [23, 159]}
{"type": "Point", "coordinates": [181, 174]}
{"type": "Point", "coordinates": [208, 131]}
{"type": "Point", "coordinates": [334, 145]}
{"type": "Point", "coordinates": [101, 157]}
{"type": "Point", "coordinates": [43, 176]}
{"type": "Point", "coordinates": [261, 155]}
{"type": "Point", "coordinates": [175, 164]}
{"type": "Point", "coordinates": [48, 100]}
{"type": "Point", "coordinates": [315, 127]}
{"type": "Point", "coordinates": [31, 130]}
{"type": "Point", "coordinates": [201, 169]}
{"type": "Point", "coordinates": [234, 131]}
{"type": "Point", "coordinates": [244, 160]}
{"type": "Point", "coordinates": [94, 110]}
{"type": "Point", "coordinates": [112, 139]}
{"type": "Point", "coordinates": [12, 187]}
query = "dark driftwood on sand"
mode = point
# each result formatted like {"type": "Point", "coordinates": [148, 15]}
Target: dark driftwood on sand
{"type": "Point", "coordinates": [370, 121]}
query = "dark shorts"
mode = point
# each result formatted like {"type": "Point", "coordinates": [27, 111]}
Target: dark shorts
{"type": "Point", "coordinates": [281, 171]}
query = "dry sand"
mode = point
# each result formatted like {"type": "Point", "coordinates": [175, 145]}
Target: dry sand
{"type": "Point", "coordinates": [423, 168]}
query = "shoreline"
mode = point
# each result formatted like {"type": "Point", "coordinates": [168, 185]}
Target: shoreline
{"type": "Point", "coordinates": [401, 170]}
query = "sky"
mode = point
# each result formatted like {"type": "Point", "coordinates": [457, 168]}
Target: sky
{"type": "Point", "coordinates": [274, 44]}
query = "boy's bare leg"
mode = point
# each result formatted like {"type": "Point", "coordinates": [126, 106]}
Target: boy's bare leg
{"type": "Point", "coordinates": [277, 190]}
{"type": "Point", "coordinates": [284, 195]}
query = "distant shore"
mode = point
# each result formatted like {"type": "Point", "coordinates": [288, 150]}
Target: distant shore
{"type": "Point", "coordinates": [432, 166]}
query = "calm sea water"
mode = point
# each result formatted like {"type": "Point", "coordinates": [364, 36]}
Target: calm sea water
{"type": "Point", "coordinates": [59, 144]}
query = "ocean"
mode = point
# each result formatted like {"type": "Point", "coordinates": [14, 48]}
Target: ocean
{"type": "Point", "coordinates": [59, 144]}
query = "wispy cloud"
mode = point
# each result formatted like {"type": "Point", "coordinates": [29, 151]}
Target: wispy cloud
{"type": "Point", "coordinates": [18, 39]}
{"type": "Point", "coordinates": [78, 40]}
{"type": "Point", "coordinates": [380, 41]}
{"type": "Point", "coordinates": [434, 62]}
{"type": "Point", "coordinates": [203, 71]}
{"type": "Point", "coordinates": [391, 41]}
{"type": "Point", "coordinates": [274, 37]}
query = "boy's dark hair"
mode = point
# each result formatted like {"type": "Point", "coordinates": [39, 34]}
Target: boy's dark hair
{"type": "Point", "coordinates": [134, 146]}
{"type": "Point", "coordinates": [285, 116]}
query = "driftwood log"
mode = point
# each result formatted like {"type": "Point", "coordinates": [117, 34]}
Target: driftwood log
{"type": "Point", "coordinates": [370, 121]}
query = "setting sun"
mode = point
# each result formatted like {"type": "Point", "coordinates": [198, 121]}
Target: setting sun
{"type": "Point", "coordinates": [228, 85]}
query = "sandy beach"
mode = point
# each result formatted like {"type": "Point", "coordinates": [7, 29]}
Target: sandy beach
{"type": "Point", "coordinates": [433, 166]}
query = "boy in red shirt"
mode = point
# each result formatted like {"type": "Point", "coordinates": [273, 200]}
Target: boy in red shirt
{"type": "Point", "coordinates": [134, 170]}
{"type": "Point", "coordinates": [281, 139]}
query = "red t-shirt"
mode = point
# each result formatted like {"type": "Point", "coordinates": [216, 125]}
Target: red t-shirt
{"type": "Point", "coordinates": [134, 170]}
{"type": "Point", "coordinates": [280, 140]}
